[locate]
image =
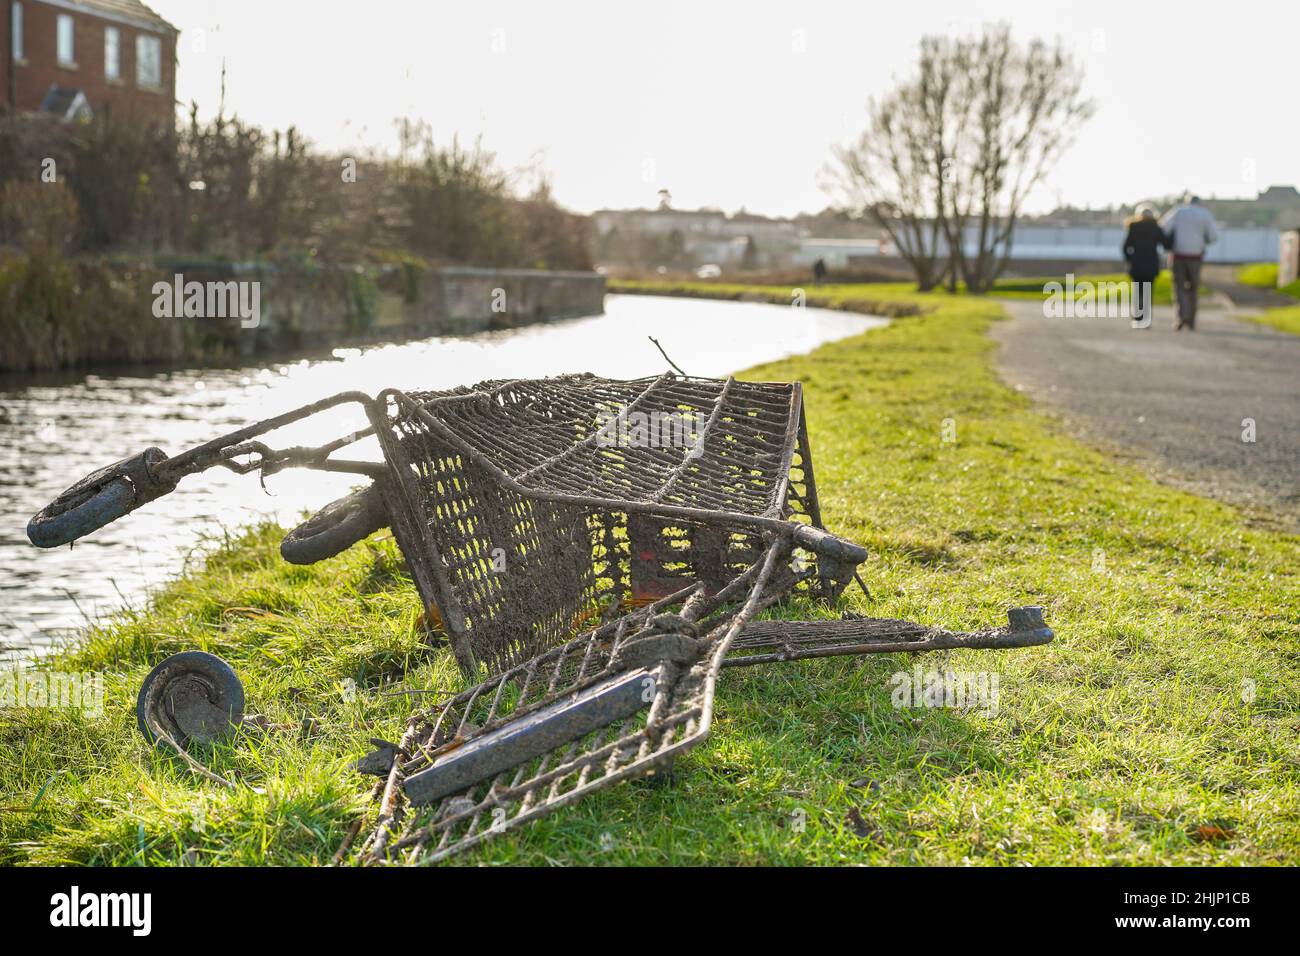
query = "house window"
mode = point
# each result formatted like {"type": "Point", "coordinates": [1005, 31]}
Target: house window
{"type": "Point", "coordinates": [148, 61]}
{"type": "Point", "coordinates": [16, 24]}
{"type": "Point", "coordinates": [112, 53]}
{"type": "Point", "coordinates": [67, 49]}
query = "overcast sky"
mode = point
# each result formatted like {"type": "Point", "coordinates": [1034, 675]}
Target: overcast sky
{"type": "Point", "coordinates": [737, 104]}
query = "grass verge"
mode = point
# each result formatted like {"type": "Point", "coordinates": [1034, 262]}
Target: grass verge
{"type": "Point", "coordinates": [878, 298]}
{"type": "Point", "coordinates": [1263, 275]}
{"type": "Point", "coordinates": [1285, 319]}
{"type": "Point", "coordinates": [1161, 727]}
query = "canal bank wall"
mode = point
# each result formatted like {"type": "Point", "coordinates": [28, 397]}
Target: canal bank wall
{"type": "Point", "coordinates": [57, 313]}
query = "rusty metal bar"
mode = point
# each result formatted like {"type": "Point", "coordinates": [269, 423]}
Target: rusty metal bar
{"type": "Point", "coordinates": [534, 735]}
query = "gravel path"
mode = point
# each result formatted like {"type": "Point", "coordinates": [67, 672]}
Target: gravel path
{"type": "Point", "coordinates": [1176, 400]}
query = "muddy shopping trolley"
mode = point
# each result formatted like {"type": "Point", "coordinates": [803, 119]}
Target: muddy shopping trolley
{"type": "Point", "coordinates": [595, 551]}
{"type": "Point", "coordinates": [526, 509]}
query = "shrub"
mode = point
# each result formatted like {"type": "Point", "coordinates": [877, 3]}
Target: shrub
{"type": "Point", "coordinates": [57, 312]}
{"type": "Point", "coordinates": [227, 189]}
{"type": "Point", "coordinates": [37, 215]}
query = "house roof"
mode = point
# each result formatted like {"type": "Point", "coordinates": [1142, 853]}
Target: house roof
{"type": "Point", "coordinates": [126, 11]}
{"type": "Point", "coordinates": [65, 103]}
{"type": "Point", "coordinates": [1280, 194]}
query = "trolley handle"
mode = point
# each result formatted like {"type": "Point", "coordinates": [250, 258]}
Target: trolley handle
{"type": "Point", "coordinates": [822, 542]}
{"type": "Point", "coordinates": [99, 499]}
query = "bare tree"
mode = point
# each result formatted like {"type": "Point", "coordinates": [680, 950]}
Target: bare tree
{"type": "Point", "coordinates": [954, 151]}
{"type": "Point", "coordinates": [886, 174]}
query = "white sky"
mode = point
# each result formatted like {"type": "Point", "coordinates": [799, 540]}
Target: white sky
{"type": "Point", "coordinates": [711, 99]}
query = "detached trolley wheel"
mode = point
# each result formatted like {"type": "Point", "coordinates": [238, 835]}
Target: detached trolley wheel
{"type": "Point", "coordinates": [190, 696]}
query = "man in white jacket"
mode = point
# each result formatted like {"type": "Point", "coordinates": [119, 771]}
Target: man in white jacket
{"type": "Point", "coordinates": [1191, 229]}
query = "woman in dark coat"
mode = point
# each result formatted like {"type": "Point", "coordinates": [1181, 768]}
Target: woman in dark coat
{"type": "Point", "coordinates": [1141, 242]}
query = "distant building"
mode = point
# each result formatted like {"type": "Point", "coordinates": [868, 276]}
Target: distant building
{"type": "Point", "coordinates": [1275, 206]}
{"type": "Point", "coordinates": [1101, 244]}
{"type": "Point", "coordinates": [682, 238]}
{"type": "Point", "coordinates": [700, 222]}
{"type": "Point", "coordinates": [843, 253]}
{"type": "Point", "coordinates": [1068, 237]}
{"type": "Point", "coordinates": [1249, 230]}
{"type": "Point", "coordinates": [79, 57]}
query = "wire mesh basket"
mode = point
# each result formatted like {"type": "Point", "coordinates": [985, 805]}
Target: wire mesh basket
{"type": "Point", "coordinates": [528, 509]}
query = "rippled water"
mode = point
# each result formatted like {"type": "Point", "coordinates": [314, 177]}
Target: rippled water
{"type": "Point", "coordinates": [56, 430]}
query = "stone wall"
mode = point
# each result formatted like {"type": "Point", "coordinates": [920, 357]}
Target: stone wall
{"type": "Point", "coordinates": [490, 298]}
{"type": "Point", "coordinates": [94, 312]}
{"type": "Point", "coordinates": [309, 308]}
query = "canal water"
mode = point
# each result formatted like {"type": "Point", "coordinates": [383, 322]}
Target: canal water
{"type": "Point", "coordinates": [54, 431]}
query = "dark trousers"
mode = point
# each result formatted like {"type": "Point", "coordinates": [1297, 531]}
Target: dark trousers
{"type": "Point", "coordinates": [1187, 286]}
{"type": "Point", "coordinates": [1142, 314]}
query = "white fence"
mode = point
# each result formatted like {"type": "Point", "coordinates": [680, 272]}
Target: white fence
{"type": "Point", "coordinates": [1102, 243]}
{"type": "Point", "coordinates": [1064, 243]}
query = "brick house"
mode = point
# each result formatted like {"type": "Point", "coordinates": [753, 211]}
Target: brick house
{"type": "Point", "coordinates": [79, 57]}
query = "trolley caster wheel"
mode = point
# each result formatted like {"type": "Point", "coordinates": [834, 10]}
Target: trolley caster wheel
{"type": "Point", "coordinates": [336, 527]}
{"type": "Point", "coordinates": [190, 696]}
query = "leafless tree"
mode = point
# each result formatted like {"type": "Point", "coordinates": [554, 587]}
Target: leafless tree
{"type": "Point", "coordinates": [886, 174]}
{"type": "Point", "coordinates": [955, 151]}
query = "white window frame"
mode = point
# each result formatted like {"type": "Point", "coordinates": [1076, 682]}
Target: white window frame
{"type": "Point", "coordinates": [66, 29]}
{"type": "Point", "coordinates": [143, 41]}
{"type": "Point", "coordinates": [112, 53]}
{"type": "Point", "coordinates": [16, 32]}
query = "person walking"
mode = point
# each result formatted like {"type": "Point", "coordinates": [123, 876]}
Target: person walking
{"type": "Point", "coordinates": [1191, 230]}
{"type": "Point", "coordinates": [1142, 242]}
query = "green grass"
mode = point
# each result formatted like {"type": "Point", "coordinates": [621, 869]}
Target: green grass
{"type": "Point", "coordinates": [1285, 319]}
{"type": "Point", "coordinates": [888, 298]}
{"type": "Point", "coordinates": [1162, 726]}
{"type": "Point", "coordinates": [1264, 276]}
